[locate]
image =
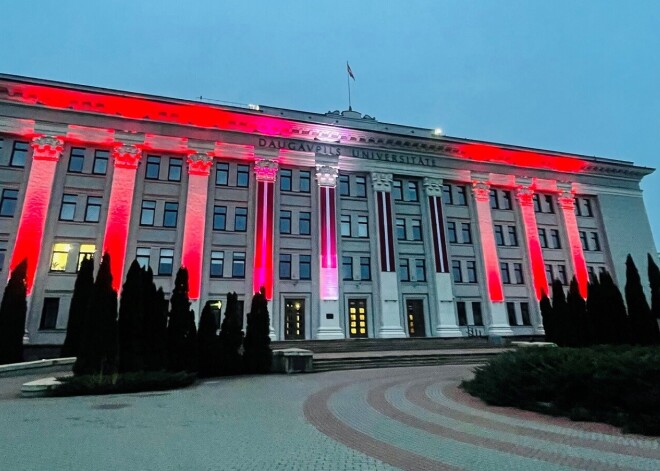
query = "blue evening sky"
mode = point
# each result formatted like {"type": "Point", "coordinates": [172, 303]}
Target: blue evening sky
{"type": "Point", "coordinates": [571, 76]}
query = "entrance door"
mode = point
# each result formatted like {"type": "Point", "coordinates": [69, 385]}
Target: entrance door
{"type": "Point", "coordinates": [415, 315]}
{"type": "Point", "coordinates": [294, 319]}
{"type": "Point", "coordinates": [357, 318]}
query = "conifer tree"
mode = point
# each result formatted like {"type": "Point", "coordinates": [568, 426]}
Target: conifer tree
{"type": "Point", "coordinates": [12, 316]}
{"type": "Point", "coordinates": [548, 317]}
{"type": "Point", "coordinates": [643, 327]}
{"type": "Point", "coordinates": [231, 338]}
{"type": "Point", "coordinates": [596, 316]}
{"type": "Point", "coordinates": [208, 343]}
{"type": "Point", "coordinates": [155, 323]}
{"type": "Point", "coordinates": [181, 330]}
{"type": "Point", "coordinates": [257, 355]}
{"type": "Point", "coordinates": [131, 321]}
{"type": "Point", "coordinates": [616, 329]}
{"type": "Point", "coordinates": [654, 282]}
{"type": "Point", "coordinates": [561, 315]}
{"type": "Point", "coordinates": [577, 309]}
{"type": "Point", "coordinates": [79, 307]}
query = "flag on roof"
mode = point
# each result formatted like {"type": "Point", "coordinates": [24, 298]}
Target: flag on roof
{"type": "Point", "coordinates": [350, 72]}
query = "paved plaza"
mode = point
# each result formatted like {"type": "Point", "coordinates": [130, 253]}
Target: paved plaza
{"type": "Point", "coordinates": [400, 418]}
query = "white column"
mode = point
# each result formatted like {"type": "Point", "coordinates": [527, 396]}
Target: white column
{"type": "Point", "coordinates": [567, 205]}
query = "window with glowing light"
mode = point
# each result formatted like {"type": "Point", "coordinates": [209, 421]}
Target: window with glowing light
{"type": "Point", "coordinates": [363, 226]}
{"type": "Point", "coordinates": [143, 256]}
{"type": "Point", "coordinates": [153, 168]}
{"type": "Point", "coordinates": [305, 267]}
{"type": "Point", "coordinates": [238, 265]}
{"type": "Point", "coordinates": [86, 251]}
{"type": "Point", "coordinates": [171, 213]}
{"type": "Point", "coordinates": [217, 263]}
{"type": "Point", "coordinates": [8, 202]}
{"type": "Point", "coordinates": [416, 229]}
{"type": "Point", "coordinates": [456, 271]}
{"type": "Point", "coordinates": [60, 256]}
{"type": "Point", "coordinates": [243, 176]}
{"type": "Point", "coordinates": [166, 261]}
{"type": "Point", "coordinates": [222, 174]}
{"type": "Point", "coordinates": [219, 218]}
{"type": "Point", "coordinates": [285, 266]}
{"type": "Point", "coordinates": [147, 213]}
{"type": "Point", "coordinates": [285, 222]}
{"type": "Point", "coordinates": [68, 208]}
{"type": "Point", "coordinates": [397, 190]}
{"type": "Point", "coordinates": [100, 166]}
{"type": "Point", "coordinates": [174, 169]}
{"type": "Point", "coordinates": [19, 154]}
{"type": "Point", "coordinates": [240, 220]}
{"type": "Point", "coordinates": [285, 180]}
{"type": "Point", "coordinates": [304, 223]}
{"type": "Point", "coordinates": [361, 187]}
{"type": "Point", "coordinates": [76, 160]}
{"type": "Point", "coordinates": [49, 313]}
{"type": "Point", "coordinates": [304, 181]}
{"type": "Point", "coordinates": [347, 268]}
{"type": "Point", "coordinates": [365, 268]}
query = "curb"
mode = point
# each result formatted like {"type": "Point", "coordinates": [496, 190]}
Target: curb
{"type": "Point", "coordinates": [34, 365]}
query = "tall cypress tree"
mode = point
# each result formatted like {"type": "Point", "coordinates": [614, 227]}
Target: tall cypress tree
{"type": "Point", "coordinates": [561, 314]}
{"type": "Point", "coordinates": [257, 355]}
{"type": "Point", "coordinates": [79, 308]}
{"type": "Point", "coordinates": [596, 317]}
{"type": "Point", "coordinates": [548, 317]}
{"type": "Point", "coordinates": [643, 327]}
{"type": "Point", "coordinates": [231, 338]}
{"type": "Point", "coordinates": [181, 329]}
{"type": "Point", "coordinates": [131, 321]}
{"type": "Point", "coordinates": [654, 282]}
{"type": "Point", "coordinates": [208, 343]}
{"type": "Point", "coordinates": [616, 328]}
{"type": "Point", "coordinates": [155, 323]}
{"type": "Point", "coordinates": [12, 316]}
{"type": "Point", "coordinates": [577, 308]}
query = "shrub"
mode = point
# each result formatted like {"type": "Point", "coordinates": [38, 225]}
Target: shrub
{"type": "Point", "coordinates": [82, 293]}
{"type": "Point", "coordinates": [258, 355]}
{"type": "Point", "coordinates": [643, 327]}
{"type": "Point", "coordinates": [123, 383]}
{"type": "Point", "coordinates": [208, 348]}
{"type": "Point", "coordinates": [231, 338]}
{"type": "Point", "coordinates": [181, 329]}
{"type": "Point", "coordinates": [12, 316]}
{"type": "Point", "coordinates": [131, 321]}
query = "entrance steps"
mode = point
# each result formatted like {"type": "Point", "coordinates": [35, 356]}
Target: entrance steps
{"type": "Point", "coordinates": [383, 345]}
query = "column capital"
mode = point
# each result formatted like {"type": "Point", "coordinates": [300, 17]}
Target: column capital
{"type": "Point", "coordinates": [481, 190]}
{"type": "Point", "coordinates": [266, 170]}
{"type": "Point", "coordinates": [381, 181]}
{"type": "Point", "coordinates": [566, 200]}
{"type": "Point", "coordinates": [199, 164]}
{"type": "Point", "coordinates": [433, 186]}
{"type": "Point", "coordinates": [327, 175]}
{"type": "Point", "coordinates": [126, 156]}
{"type": "Point", "coordinates": [525, 195]}
{"type": "Point", "coordinates": [47, 148]}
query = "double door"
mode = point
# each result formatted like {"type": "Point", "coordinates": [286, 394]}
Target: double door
{"type": "Point", "coordinates": [415, 317]}
{"type": "Point", "coordinates": [294, 319]}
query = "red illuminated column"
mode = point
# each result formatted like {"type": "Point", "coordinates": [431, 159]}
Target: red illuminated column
{"type": "Point", "coordinates": [199, 166]}
{"type": "Point", "coordinates": [126, 160]}
{"type": "Point", "coordinates": [525, 197]}
{"type": "Point", "coordinates": [447, 325]}
{"type": "Point", "coordinates": [262, 271]}
{"type": "Point", "coordinates": [499, 322]}
{"type": "Point", "coordinates": [329, 325]}
{"type": "Point", "coordinates": [390, 315]}
{"type": "Point", "coordinates": [567, 205]}
{"type": "Point", "coordinates": [29, 237]}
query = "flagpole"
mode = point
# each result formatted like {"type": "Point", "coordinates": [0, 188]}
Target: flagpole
{"type": "Point", "coordinates": [348, 82]}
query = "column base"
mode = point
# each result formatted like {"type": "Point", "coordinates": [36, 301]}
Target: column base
{"type": "Point", "coordinates": [329, 333]}
{"type": "Point", "coordinates": [540, 330]}
{"type": "Point", "coordinates": [448, 332]}
{"type": "Point", "coordinates": [391, 332]}
{"type": "Point", "coordinates": [501, 330]}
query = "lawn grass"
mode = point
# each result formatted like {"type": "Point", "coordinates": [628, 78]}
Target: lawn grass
{"type": "Point", "coordinates": [123, 383]}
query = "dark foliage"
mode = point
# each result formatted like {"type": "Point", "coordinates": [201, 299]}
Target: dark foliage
{"type": "Point", "coordinates": [155, 324]}
{"type": "Point", "coordinates": [614, 327]}
{"type": "Point", "coordinates": [643, 327]}
{"type": "Point", "coordinates": [82, 293]}
{"type": "Point", "coordinates": [549, 320]}
{"type": "Point", "coordinates": [231, 338]}
{"type": "Point", "coordinates": [208, 344]}
{"type": "Point", "coordinates": [131, 325]}
{"type": "Point", "coordinates": [181, 329]}
{"type": "Point", "coordinates": [258, 355]}
{"type": "Point", "coordinates": [595, 311]}
{"type": "Point", "coordinates": [123, 383]}
{"type": "Point", "coordinates": [654, 282]}
{"type": "Point", "coordinates": [12, 316]}
{"type": "Point", "coordinates": [577, 308]}
{"type": "Point", "coordinates": [561, 315]}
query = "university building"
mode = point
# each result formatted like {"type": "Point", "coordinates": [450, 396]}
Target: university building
{"type": "Point", "coordinates": [354, 227]}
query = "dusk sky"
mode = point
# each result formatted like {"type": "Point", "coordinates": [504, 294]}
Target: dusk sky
{"type": "Point", "coordinates": [580, 77]}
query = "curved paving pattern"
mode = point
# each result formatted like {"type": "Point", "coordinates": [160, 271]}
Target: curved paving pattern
{"type": "Point", "coordinates": [419, 420]}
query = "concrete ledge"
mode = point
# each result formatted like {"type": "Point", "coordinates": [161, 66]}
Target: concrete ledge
{"type": "Point", "coordinates": [40, 387]}
{"type": "Point", "coordinates": [35, 365]}
{"type": "Point", "coordinates": [293, 360]}
{"type": "Point", "coordinates": [533, 344]}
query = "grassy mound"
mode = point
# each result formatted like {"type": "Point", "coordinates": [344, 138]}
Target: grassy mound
{"type": "Point", "coordinates": [123, 383]}
{"type": "Point", "coordinates": [615, 385]}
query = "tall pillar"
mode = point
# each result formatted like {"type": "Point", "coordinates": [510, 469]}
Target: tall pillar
{"type": "Point", "coordinates": [444, 297]}
{"type": "Point", "coordinates": [499, 321]}
{"type": "Point", "coordinates": [192, 254]}
{"type": "Point", "coordinates": [525, 196]}
{"type": "Point", "coordinates": [567, 205]}
{"type": "Point", "coordinates": [126, 160]}
{"type": "Point", "coordinates": [262, 272]}
{"type": "Point", "coordinates": [390, 315]}
{"type": "Point", "coordinates": [29, 237]}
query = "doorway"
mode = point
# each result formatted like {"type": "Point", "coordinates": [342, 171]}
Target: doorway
{"type": "Point", "coordinates": [357, 318]}
{"type": "Point", "coordinates": [294, 319]}
{"type": "Point", "coordinates": [415, 316]}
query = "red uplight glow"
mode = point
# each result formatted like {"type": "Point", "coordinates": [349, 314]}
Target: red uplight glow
{"type": "Point", "coordinates": [522, 158]}
{"type": "Point", "coordinates": [263, 241]}
{"type": "Point", "coordinates": [577, 254]}
{"type": "Point", "coordinates": [329, 279]}
{"type": "Point", "coordinates": [488, 247]}
{"type": "Point", "coordinates": [533, 245]}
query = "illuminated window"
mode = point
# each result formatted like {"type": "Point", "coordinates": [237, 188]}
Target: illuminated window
{"type": "Point", "coordinates": [18, 154]}
{"type": "Point", "coordinates": [49, 314]}
{"type": "Point", "coordinates": [400, 229]}
{"type": "Point", "coordinates": [305, 267]}
{"type": "Point", "coordinates": [361, 187]}
{"type": "Point", "coordinates": [76, 160]}
{"type": "Point", "coordinates": [174, 170]}
{"type": "Point", "coordinates": [219, 218]}
{"type": "Point", "coordinates": [238, 265]}
{"type": "Point", "coordinates": [143, 256]}
{"type": "Point", "coordinates": [166, 261]}
{"type": "Point", "coordinates": [363, 226]}
{"type": "Point", "coordinates": [404, 269]}
{"type": "Point", "coordinates": [60, 256]}
{"type": "Point", "coordinates": [240, 220]}
{"type": "Point", "coordinates": [344, 187]}
{"type": "Point", "coordinates": [304, 223]}
{"type": "Point", "coordinates": [397, 190]}
{"type": "Point", "coordinates": [148, 213]}
{"type": "Point", "coordinates": [285, 222]}
{"type": "Point", "coordinates": [365, 268]}
{"type": "Point", "coordinates": [170, 215]}
{"type": "Point", "coordinates": [68, 208]}
{"type": "Point", "coordinates": [416, 226]}
{"type": "Point", "coordinates": [304, 181]}
{"type": "Point", "coordinates": [285, 266]}
{"type": "Point", "coordinates": [412, 191]}
{"type": "Point", "coordinates": [153, 167]}
{"type": "Point", "coordinates": [86, 251]}
{"type": "Point", "coordinates": [222, 174]}
{"type": "Point", "coordinates": [345, 225]}
{"type": "Point", "coordinates": [93, 209]}
{"type": "Point", "coordinates": [217, 264]}
{"type": "Point", "coordinates": [285, 180]}
{"type": "Point", "coordinates": [8, 202]}
{"type": "Point", "coordinates": [100, 162]}
{"type": "Point", "coordinates": [243, 176]}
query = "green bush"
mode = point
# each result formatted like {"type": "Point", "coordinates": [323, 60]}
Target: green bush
{"type": "Point", "coordinates": [123, 383]}
{"type": "Point", "coordinates": [616, 385]}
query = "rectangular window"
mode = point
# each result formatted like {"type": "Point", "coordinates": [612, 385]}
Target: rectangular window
{"type": "Point", "coordinates": [420, 270]}
{"type": "Point", "coordinates": [416, 226]}
{"type": "Point", "coordinates": [365, 268]}
{"type": "Point", "coordinates": [363, 226]}
{"type": "Point", "coordinates": [513, 236]}
{"type": "Point", "coordinates": [494, 202]}
{"type": "Point", "coordinates": [471, 266]}
{"type": "Point", "coordinates": [305, 267]}
{"type": "Point", "coordinates": [222, 174]}
{"type": "Point", "coordinates": [400, 229]}
{"type": "Point", "coordinates": [174, 170]}
{"type": "Point", "coordinates": [76, 160]}
{"type": "Point", "coordinates": [549, 204]}
{"type": "Point", "coordinates": [499, 235]}
{"type": "Point", "coordinates": [219, 218]}
{"type": "Point", "coordinates": [561, 271]}
{"type": "Point", "coordinates": [446, 195]}
{"type": "Point", "coordinates": [304, 223]}
{"type": "Point", "coordinates": [243, 176]}
{"type": "Point", "coordinates": [518, 273]}
{"type": "Point", "coordinates": [49, 313]}
{"type": "Point", "coordinates": [451, 232]}
{"type": "Point", "coordinates": [166, 261]}
{"type": "Point", "coordinates": [595, 242]}
{"type": "Point", "coordinates": [93, 209]}
{"type": "Point", "coordinates": [578, 207]}
{"type": "Point", "coordinates": [143, 256]}
{"type": "Point", "coordinates": [170, 215]}
{"type": "Point", "coordinates": [238, 265]}
{"type": "Point", "coordinates": [476, 313]}
{"type": "Point", "coordinates": [524, 311]}
{"type": "Point", "coordinates": [467, 233]}
{"type": "Point", "coordinates": [345, 225]}
{"type": "Point", "coordinates": [361, 187]}
{"type": "Point", "coordinates": [217, 264]}
{"type": "Point", "coordinates": [543, 238]}
{"type": "Point", "coordinates": [304, 182]}
{"type": "Point", "coordinates": [511, 312]}
{"type": "Point", "coordinates": [397, 190]}
{"type": "Point", "coordinates": [344, 186]}
{"type": "Point", "coordinates": [554, 238]}
{"type": "Point", "coordinates": [240, 220]}
{"type": "Point", "coordinates": [456, 271]}
{"type": "Point", "coordinates": [506, 200]}
{"type": "Point", "coordinates": [347, 268]}
{"type": "Point", "coordinates": [461, 196]}
{"type": "Point", "coordinates": [18, 154]}
{"type": "Point", "coordinates": [8, 202]}
{"type": "Point", "coordinates": [404, 270]}
{"type": "Point", "coordinates": [153, 168]}
{"type": "Point", "coordinates": [549, 273]}
{"type": "Point", "coordinates": [587, 207]}
{"type": "Point", "coordinates": [412, 191]}
{"type": "Point", "coordinates": [285, 222]}
{"type": "Point", "coordinates": [86, 251]}
{"type": "Point", "coordinates": [68, 208]}
{"type": "Point", "coordinates": [462, 313]}
{"type": "Point", "coordinates": [100, 166]}
{"type": "Point", "coordinates": [285, 266]}
{"type": "Point", "coordinates": [537, 203]}
{"type": "Point", "coordinates": [3, 252]}
{"type": "Point", "coordinates": [504, 270]}
{"type": "Point", "coordinates": [148, 213]}
{"type": "Point", "coordinates": [585, 242]}
{"type": "Point", "coordinates": [60, 256]}
{"type": "Point", "coordinates": [285, 180]}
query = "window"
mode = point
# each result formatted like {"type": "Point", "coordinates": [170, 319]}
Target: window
{"type": "Point", "coordinates": [219, 218]}
{"type": "Point", "coordinates": [471, 266]}
{"type": "Point", "coordinates": [506, 200]}
{"type": "Point", "coordinates": [537, 203]}
{"type": "Point", "coordinates": [467, 233]}
{"type": "Point", "coordinates": [511, 312]}
{"type": "Point", "coordinates": [76, 160]}
{"type": "Point", "coordinates": [60, 256]}
{"type": "Point", "coordinates": [595, 242]}
{"type": "Point", "coordinates": [365, 268]}
{"type": "Point", "coordinates": [305, 267]}
{"type": "Point", "coordinates": [148, 213]}
{"type": "Point", "coordinates": [456, 270]}
{"type": "Point", "coordinates": [461, 196]}
{"type": "Point", "coordinates": [93, 209]}
{"type": "Point", "coordinates": [345, 225]}
{"type": "Point", "coordinates": [462, 314]}
{"type": "Point", "coordinates": [68, 208]}
{"type": "Point", "coordinates": [420, 270]}
{"type": "Point", "coordinates": [49, 314]}
{"type": "Point", "coordinates": [504, 270]}
{"type": "Point", "coordinates": [451, 232]}
{"type": "Point", "coordinates": [543, 238]}
{"type": "Point", "coordinates": [3, 252]}
{"type": "Point", "coordinates": [285, 222]}
{"type": "Point", "coordinates": [561, 271]}
{"type": "Point", "coordinates": [344, 187]}
{"type": "Point", "coordinates": [513, 236]}
{"type": "Point", "coordinates": [578, 207]}
{"type": "Point", "coordinates": [549, 204]}
{"type": "Point", "coordinates": [524, 311]}
{"type": "Point", "coordinates": [446, 194]}
{"type": "Point", "coordinates": [499, 235]}
{"type": "Point", "coordinates": [587, 206]}
{"type": "Point", "coordinates": [170, 214]}
{"type": "Point", "coordinates": [18, 154]}
{"type": "Point", "coordinates": [285, 266]}
{"type": "Point", "coordinates": [86, 251]}
{"type": "Point", "coordinates": [476, 313]}
{"type": "Point", "coordinates": [361, 187]}
{"type": "Point", "coordinates": [404, 269]}
{"type": "Point", "coordinates": [304, 223]}
{"type": "Point", "coordinates": [549, 273]}
{"type": "Point", "coordinates": [400, 229]}
{"type": "Point", "coordinates": [243, 176]}
{"type": "Point", "coordinates": [240, 220]}
{"type": "Point", "coordinates": [174, 170]}
{"type": "Point", "coordinates": [304, 183]}
{"type": "Point", "coordinates": [554, 238]}
{"type": "Point", "coordinates": [285, 180]}
{"type": "Point", "coordinates": [346, 268]}
{"type": "Point", "coordinates": [363, 226]}
{"type": "Point", "coordinates": [217, 264]}
{"type": "Point", "coordinates": [416, 225]}
{"type": "Point", "coordinates": [412, 191]}
{"type": "Point", "coordinates": [8, 202]}
{"type": "Point", "coordinates": [153, 167]}
{"type": "Point", "coordinates": [100, 162]}
{"type": "Point", "coordinates": [518, 273]}
{"type": "Point", "coordinates": [494, 202]}
{"type": "Point", "coordinates": [165, 261]}
{"type": "Point", "coordinates": [585, 242]}
{"type": "Point", "coordinates": [143, 256]}
{"type": "Point", "coordinates": [238, 265]}
{"type": "Point", "coordinates": [222, 174]}
{"type": "Point", "coordinates": [397, 190]}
